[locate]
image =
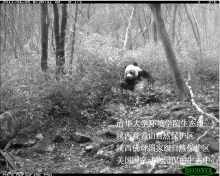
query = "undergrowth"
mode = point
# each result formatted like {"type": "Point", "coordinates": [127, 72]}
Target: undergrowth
{"type": "Point", "coordinates": [98, 69]}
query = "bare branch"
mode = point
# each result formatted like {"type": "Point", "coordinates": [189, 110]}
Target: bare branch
{"type": "Point", "coordinates": [17, 30]}
{"type": "Point", "coordinates": [8, 159]}
{"type": "Point", "coordinates": [194, 103]}
{"type": "Point", "coordinates": [196, 37]}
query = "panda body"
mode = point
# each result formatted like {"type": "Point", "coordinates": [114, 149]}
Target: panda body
{"type": "Point", "coordinates": [135, 78]}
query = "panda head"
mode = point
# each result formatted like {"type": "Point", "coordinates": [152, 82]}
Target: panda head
{"type": "Point", "coordinates": [132, 71]}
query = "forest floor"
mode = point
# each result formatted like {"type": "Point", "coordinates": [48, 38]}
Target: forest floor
{"type": "Point", "coordinates": [69, 156]}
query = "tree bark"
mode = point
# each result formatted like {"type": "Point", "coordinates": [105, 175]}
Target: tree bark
{"type": "Point", "coordinates": [198, 37]}
{"type": "Point", "coordinates": [154, 31]}
{"type": "Point", "coordinates": [1, 49]}
{"type": "Point", "coordinates": [44, 36]}
{"type": "Point", "coordinates": [140, 26]}
{"type": "Point", "coordinates": [127, 30]}
{"type": "Point", "coordinates": [57, 37]}
{"type": "Point", "coordinates": [62, 37]}
{"type": "Point", "coordinates": [12, 39]}
{"type": "Point", "coordinates": [3, 26]}
{"type": "Point", "coordinates": [179, 81]}
{"type": "Point", "coordinates": [197, 25]}
{"type": "Point", "coordinates": [174, 22]}
{"type": "Point", "coordinates": [73, 41]}
{"type": "Point", "coordinates": [194, 32]}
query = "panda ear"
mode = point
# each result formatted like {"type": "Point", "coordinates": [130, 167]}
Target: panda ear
{"type": "Point", "coordinates": [125, 67]}
{"type": "Point", "coordinates": [135, 64]}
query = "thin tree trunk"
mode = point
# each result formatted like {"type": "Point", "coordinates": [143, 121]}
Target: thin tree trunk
{"type": "Point", "coordinates": [199, 63]}
{"type": "Point", "coordinates": [127, 30]}
{"type": "Point", "coordinates": [179, 81]}
{"type": "Point", "coordinates": [198, 37]}
{"type": "Point", "coordinates": [15, 37]}
{"type": "Point", "coordinates": [62, 37]}
{"type": "Point", "coordinates": [148, 24]}
{"type": "Point", "coordinates": [33, 24]}
{"type": "Point", "coordinates": [205, 31]}
{"type": "Point", "coordinates": [5, 38]}
{"type": "Point", "coordinates": [11, 33]}
{"type": "Point", "coordinates": [174, 22]}
{"type": "Point", "coordinates": [44, 37]}
{"type": "Point", "coordinates": [197, 25]}
{"type": "Point", "coordinates": [1, 49]}
{"type": "Point", "coordinates": [154, 31]}
{"type": "Point", "coordinates": [194, 32]}
{"type": "Point", "coordinates": [57, 36]}
{"type": "Point", "coordinates": [142, 31]}
{"type": "Point", "coordinates": [73, 41]}
{"type": "Point", "coordinates": [12, 44]}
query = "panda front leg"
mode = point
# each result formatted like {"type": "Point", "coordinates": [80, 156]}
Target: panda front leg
{"type": "Point", "coordinates": [123, 86]}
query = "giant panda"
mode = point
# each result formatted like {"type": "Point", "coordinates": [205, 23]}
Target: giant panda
{"type": "Point", "coordinates": [135, 78]}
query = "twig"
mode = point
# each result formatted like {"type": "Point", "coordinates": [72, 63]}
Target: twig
{"type": "Point", "coordinates": [202, 135]}
{"type": "Point", "coordinates": [194, 103]}
{"type": "Point", "coordinates": [8, 145]}
{"type": "Point", "coordinates": [213, 125]}
{"type": "Point", "coordinates": [7, 158]}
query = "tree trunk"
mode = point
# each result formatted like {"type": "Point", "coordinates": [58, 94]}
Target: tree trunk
{"type": "Point", "coordinates": [141, 28]}
{"type": "Point", "coordinates": [174, 22]}
{"type": "Point", "coordinates": [127, 30]}
{"type": "Point", "coordinates": [198, 37]}
{"type": "Point", "coordinates": [44, 36]}
{"type": "Point", "coordinates": [154, 31]}
{"type": "Point", "coordinates": [62, 38]}
{"type": "Point", "coordinates": [15, 37]}
{"type": "Point", "coordinates": [57, 37]}
{"type": "Point", "coordinates": [194, 32]}
{"type": "Point", "coordinates": [2, 28]}
{"type": "Point", "coordinates": [73, 41]}
{"type": "Point", "coordinates": [197, 25]}
{"type": "Point", "coordinates": [179, 81]}
{"type": "Point", "coordinates": [1, 49]}
{"type": "Point", "coordinates": [11, 31]}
